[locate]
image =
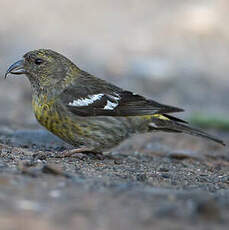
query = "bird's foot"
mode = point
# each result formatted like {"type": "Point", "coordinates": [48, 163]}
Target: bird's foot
{"type": "Point", "coordinates": [80, 153]}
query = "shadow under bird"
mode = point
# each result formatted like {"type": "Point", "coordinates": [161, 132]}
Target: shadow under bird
{"type": "Point", "coordinates": [90, 113]}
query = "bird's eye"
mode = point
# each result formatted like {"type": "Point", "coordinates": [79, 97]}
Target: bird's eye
{"type": "Point", "coordinates": [38, 61]}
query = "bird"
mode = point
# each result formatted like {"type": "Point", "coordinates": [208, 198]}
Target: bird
{"type": "Point", "coordinates": [90, 113]}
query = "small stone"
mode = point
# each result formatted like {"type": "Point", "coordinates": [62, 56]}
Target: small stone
{"type": "Point", "coordinates": [141, 177]}
{"type": "Point", "coordinates": [162, 169]}
{"type": "Point", "coordinates": [52, 169]}
{"type": "Point", "coordinates": [165, 175]}
{"type": "Point", "coordinates": [118, 161]}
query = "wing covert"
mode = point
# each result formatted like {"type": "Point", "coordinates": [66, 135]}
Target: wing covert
{"type": "Point", "coordinates": [90, 96]}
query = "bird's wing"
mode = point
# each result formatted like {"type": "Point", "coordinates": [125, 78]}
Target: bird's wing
{"type": "Point", "coordinates": [90, 96]}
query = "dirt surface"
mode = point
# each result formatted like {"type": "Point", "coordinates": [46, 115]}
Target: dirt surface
{"type": "Point", "coordinates": [161, 180]}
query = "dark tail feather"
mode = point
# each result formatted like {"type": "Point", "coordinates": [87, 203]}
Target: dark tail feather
{"type": "Point", "coordinates": [174, 118]}
{"type": "Point", "coordinates": [173, 126]}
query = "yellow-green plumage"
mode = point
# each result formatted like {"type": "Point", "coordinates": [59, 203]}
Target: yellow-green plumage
{"type": "Point", "coordinates": [88, 112]}
{"type": "Point", "coordinates": [96, 133]}
{"type": "Point", "coordinates": [48, 116]}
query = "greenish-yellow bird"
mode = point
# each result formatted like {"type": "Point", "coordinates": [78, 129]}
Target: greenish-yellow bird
{"type": "Point", "coordinates": [90, 113]}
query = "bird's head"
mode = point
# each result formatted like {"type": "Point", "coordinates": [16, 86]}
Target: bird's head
{"type": "Point", "coordinates": [43, 67]}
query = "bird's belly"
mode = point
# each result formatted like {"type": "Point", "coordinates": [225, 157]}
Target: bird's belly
{"type": "Point", "coordinates": [75, 130]}
{"type": "Point", "coordinates": [49, 116]}
{"type": "Point", "coordinates": [97, 133]}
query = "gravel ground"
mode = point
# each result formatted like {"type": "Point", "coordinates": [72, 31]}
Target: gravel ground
{"type": "Point", "coordinates": [148, 181]}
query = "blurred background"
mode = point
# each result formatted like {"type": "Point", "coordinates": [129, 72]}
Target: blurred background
{"type": "Point", "coordinates": [172, 51]}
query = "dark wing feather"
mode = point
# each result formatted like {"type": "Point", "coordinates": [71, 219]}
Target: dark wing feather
{"type": "Point", "coordinates": [175, 118]}
{"type": "Point", "coordinates": [99, 98]}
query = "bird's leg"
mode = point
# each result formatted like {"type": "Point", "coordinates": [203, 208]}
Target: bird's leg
{"type": "Point", "coordinates": [82, 150]}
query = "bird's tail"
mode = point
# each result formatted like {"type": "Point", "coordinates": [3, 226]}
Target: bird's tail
{"type": "Point", "coordinates": [167, 123]}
